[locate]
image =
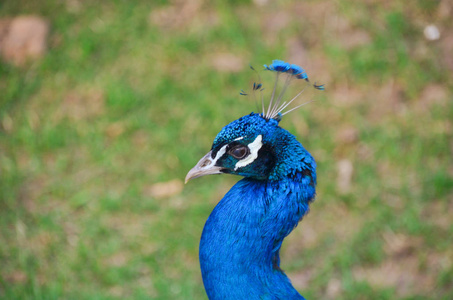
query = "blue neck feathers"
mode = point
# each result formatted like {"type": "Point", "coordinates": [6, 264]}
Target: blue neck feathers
{"type": "Point", "coordinates": [239, 247]}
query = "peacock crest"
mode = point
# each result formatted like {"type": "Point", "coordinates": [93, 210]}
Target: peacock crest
{"type": "Point", "coordinates": [290, 72]}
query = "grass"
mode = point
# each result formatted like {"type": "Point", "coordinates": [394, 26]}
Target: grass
{"type": "Point", "coordinates": [130, 94]}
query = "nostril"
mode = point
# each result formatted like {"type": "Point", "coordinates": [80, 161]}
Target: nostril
{"type": "Point", "coordinates": [205, 163]}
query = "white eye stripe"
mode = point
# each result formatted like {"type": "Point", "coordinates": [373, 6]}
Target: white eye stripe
{"type": "Point", "coordinates": [239, 138]}
{"type": "Point", "coordinates": [254, 147]}
{"type": "Point", "coordinates": [219, 154]}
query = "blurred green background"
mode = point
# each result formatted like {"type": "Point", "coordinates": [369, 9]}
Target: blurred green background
{"type": "Point", "coordinates": [97, 135]}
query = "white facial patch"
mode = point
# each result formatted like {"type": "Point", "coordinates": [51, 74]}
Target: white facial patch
{"type": "Point", "coordinates": [218, 155]}
{"type": "Point", "coordinates": [254, 147]}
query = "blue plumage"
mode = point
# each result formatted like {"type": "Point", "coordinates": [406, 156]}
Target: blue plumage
{"type": "Point", "coordinates": [239, 247]}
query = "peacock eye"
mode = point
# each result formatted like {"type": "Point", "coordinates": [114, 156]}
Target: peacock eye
{"type": "Point", "coordinates": [239, 152]}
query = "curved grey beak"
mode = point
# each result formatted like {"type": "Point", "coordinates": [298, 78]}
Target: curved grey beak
{"type": "Point", "coordinates": [206, 166]}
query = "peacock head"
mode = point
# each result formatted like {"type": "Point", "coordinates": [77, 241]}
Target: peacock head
{"type": "Point", "coordinates": [255, 146]}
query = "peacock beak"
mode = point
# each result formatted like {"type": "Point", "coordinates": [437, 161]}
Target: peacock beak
{"type": "Point", "coordinates": [206, 166]}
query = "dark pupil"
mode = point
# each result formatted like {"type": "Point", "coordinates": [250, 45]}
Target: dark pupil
{"type": "Point", "coordinates": [239, 152]}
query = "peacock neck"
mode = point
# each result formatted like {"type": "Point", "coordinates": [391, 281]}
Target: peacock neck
{"type": "Point", "coordinates": [239, 247]}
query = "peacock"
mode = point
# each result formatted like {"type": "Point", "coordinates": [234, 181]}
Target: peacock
{"type": "Point", "coordinates": [241, 240]}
